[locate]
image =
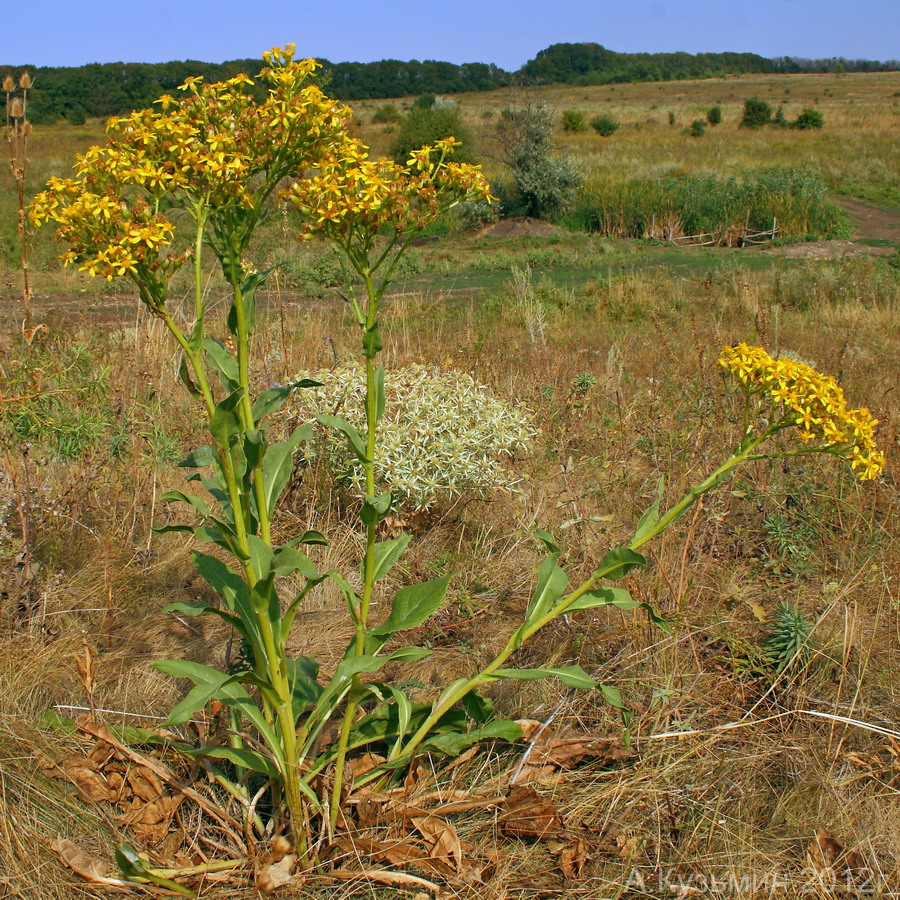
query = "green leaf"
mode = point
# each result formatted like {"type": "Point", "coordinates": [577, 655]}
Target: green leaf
{"type": "Point", "coordinates": [247, 759]}
{"type": "Point", "coordinates": [227, 583]}
{"type": "Point", "coordinates": [197, 459]}
{"type": "Point", "coordinates": [374, 509]}
{"type": "Point", "coordinates": [273, 399]}
{"type": "Point", "coordinates": [619, 562]}
{"type": "Point", "coordinates": [650, 518]}
{"type": "Point", "coordinates": [262, 556]}
{"type": "Point", "coordinates": [136, 869]}
{"type": "Point", "coordinates": [604, 596]}
{"type": "Point", "coordinates": [198, 609]}
{"type": "Point", "coordinates": [309, 537]}
{"type": "Point", "coordinates": [409, 654]}
{"type": "Point", "coordinates": [478, 709]}
{"type": "Point", "coordinates": [547, 540]}
{"type": "Point", "coordinates": [571, 676]}
{"type": "Point", "coordinates": [303, 674]}
{"type": "Point", "coordinates": [288, 560]}
{"type": "Point", "coordinates": [453, 743]}
{"type": "Point", "coordinates": [380, 399]}
{"type": "Point", "coordinates": [552, 582]}
{"type": "Point", "coordinates": [185, 375]}
{"type": "Point", "coordinates": [386, 553]}
{"type": "Point", "coordinates": [224, 363]}
{"type": "Point", "coordinates": [279, 463]}
{"type": "Point", "coordinates": [354, 438]}
{"type": "Point", "coordinates": [198, 503]}
{"type": "Point", "coordinates": [207, 683]}
{"type": "Point", "coordinates": [225, 423]}
{"type": "Point", "coordinates": [412, 605]}
{"type": "Point", "coordinates": [372, 342]}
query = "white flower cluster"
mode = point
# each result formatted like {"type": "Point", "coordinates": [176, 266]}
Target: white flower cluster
{"type": "Point", "coordinates": [441, 433]}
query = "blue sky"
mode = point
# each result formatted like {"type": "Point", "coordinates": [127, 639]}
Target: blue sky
{"type": "Point", "coordinates": [505, 32]}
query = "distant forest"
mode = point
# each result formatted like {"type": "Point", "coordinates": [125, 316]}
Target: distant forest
{"type": "Point", "coordinates": [108, 89]}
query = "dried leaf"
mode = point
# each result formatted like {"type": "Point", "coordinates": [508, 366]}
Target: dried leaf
{"type": "Point", "coordinates": [276, 875]}
{"type": "Point", "coordinates": [384, 877]}
{"type": "Point", "coordinates": [525, 813]}
{"type": "Point", "coordinates": [572, 858]}
{"type": "Point", "coordinates": [83, 864]}
{"type": "Point", "coordinates": [565, 747]}
{"type": "Point", "coordinates": [442, 840]}
{"type": "Point", "coordinates": [87, 668]}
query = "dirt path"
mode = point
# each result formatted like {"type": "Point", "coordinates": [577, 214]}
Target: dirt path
{"type": "Point", "coordinates": [873, 223]}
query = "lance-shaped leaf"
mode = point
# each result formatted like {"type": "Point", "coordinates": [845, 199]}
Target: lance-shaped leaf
{"type": "Point", "coordinates": [303, 674]}
{"type": "Point", "coordinates": [278, 464]}
{"type": "Point", "coordinates": [309, 537]}
{"type": "Point", "coordinates": [547, 540]}
{"type": "Point", "coordinates": [247, 759]}
{"type": "Point", "coordinates": [412, 605]}
{"type": "Point", "coordinates": [288, 560]}
{"type": "Point", "coordinates": [374, 509]}
{"type": "Point", "coordinates": [225, 427]}
{"type": "Point", "coordinates": [552, 582]}
{"type": "Point", "coordinates": [199, 458]}
{"type": "Point", "coordinates": [224, 363]}
{"type": "Point", "coordinates": [227, 583]}
{"type": "Point", "coordinates": [198, 503]}
{"type": "Point", "coordinates": [571, 676]}
{"type": "Point", "coordinates": [378, 387]}
{"type": "Point", "coordinates": [385, 554]}
{"type": "Point", "coordinates": [650, 518]}
{"type": "Point", "coordinates": [273, 399]}
{"type": "Point", "coordinates": [619, 562]}
{"type": "Point", "coordinates": [453, 743]}
{"type": "Point", "coordinates": [604, 596]}
{"type": "Point", "coordinates": [354, 438]}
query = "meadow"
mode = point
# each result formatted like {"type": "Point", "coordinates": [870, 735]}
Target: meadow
{"type": "Point", "coordinates": [747, 774]}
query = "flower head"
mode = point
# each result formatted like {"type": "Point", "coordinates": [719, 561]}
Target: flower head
{"type": "Point", "coordinates": [811, 402]}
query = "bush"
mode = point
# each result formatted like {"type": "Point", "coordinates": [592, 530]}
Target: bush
{"type": "Point", "coordinates": [698, 128]}
{"type": "Point", "coordinates": [428, 121]}
{"type": "Point", "coordinates": [545, 185]}
{"type": "Point", "coordinates": [604, 125]}
{"type": "Point", "coordinates": [714, 115]}
{"type": "Point", "coordinates": [756, 113]}
{"type": "Point", "coordinates": [809, 118]}
{"type": "Point", "coordinates": [442, 433]}
{"type": "Point", "coordinates": [573, 120]}
{"type": "Point", "coordinates": [386, 114]}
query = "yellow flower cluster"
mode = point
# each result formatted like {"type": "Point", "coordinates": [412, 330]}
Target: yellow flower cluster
{"type": "Point", "coordinates": [212, 149]}
{"type": "Point", "coordinates": [351, 197]}
{"type": "Point", "coordinates": [812, 402]}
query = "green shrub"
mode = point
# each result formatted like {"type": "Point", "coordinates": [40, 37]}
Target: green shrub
{"type": "Point", "coordinates": [756, 113]}
{"type": "Point", "coordinates": [573, 120]}
{"type": "Point", "coordinates": [427, 123]}
{"type": "Point", "coordinates": [604, 125]}
{"type": "Point", "coordinates": [809, 118]}
{"type": "Point", "coordinates": [442, 433]}
{"type": "Point", "coordinates": [698, 128]}
{"type": "Point", "coordinates": [714, 115]}
{"type": "Point", "coordinates": [386, 114]}
{"type": "Point", "coordinates": [544, 185]}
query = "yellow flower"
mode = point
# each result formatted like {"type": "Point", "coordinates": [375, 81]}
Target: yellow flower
{"type": "Point", "coordinates": [810, 401]}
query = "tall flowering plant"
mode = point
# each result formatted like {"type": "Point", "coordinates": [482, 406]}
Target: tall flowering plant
{"type": "Point", "coordinates": [220, 157]}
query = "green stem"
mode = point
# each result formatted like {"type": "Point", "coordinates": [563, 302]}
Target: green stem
{"type": "Point", "coordinates": [373, 296]}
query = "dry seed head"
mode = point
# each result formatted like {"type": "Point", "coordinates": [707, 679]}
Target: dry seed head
{"type": "Point", "coordinates": [15, 108]}
{"type": "Point", "coordinates": [26, 128]}
{"type": "Point", "coordinates": [24, 81]}
{"type": "Point", "coordinates": [8, 84]}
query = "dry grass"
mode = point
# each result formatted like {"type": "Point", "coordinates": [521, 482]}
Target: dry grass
{"type": "Point", "coordinates": [698, 799]}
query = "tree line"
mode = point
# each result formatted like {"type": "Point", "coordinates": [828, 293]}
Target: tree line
{"type": "Point", "coordinates": [108, 89]}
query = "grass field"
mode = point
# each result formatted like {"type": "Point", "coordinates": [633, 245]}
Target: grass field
{"type": "Point", "coordinates": [735, 767]}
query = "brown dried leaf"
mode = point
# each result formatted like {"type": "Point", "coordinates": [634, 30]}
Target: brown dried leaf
{"type": "Point", "coordinates": [83, 864]}
{"type": "Point", "coordinates": [275, 875]}
{"type": "Point", "coordinates": [385, 877]}
{"type": "Point", "coordinates": [87, 668]}
{"type": "Point", "coordinates": [572, 858]}
{"type": "Point", "coordinates": [442, 840]}
{"type": "Point", "coordinates": [565, 747]}
{"type": "Point", "coordinates": [87, 776]}
{"type": "Point", "coordinates": [525, 813]}
{"type": "Point", "coordinates": [151, 821]}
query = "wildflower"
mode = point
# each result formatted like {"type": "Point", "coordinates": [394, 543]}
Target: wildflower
{"type": "Point", "coordinates": [810, 401]}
